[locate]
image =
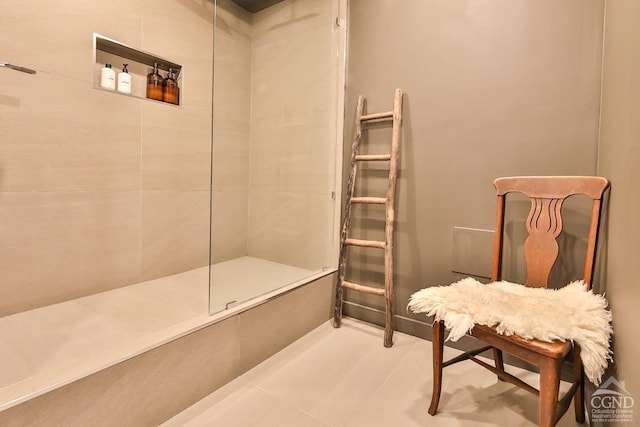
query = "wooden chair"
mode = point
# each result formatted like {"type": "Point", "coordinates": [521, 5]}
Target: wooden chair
{"type": "Point", "coordinates": [544, 225]}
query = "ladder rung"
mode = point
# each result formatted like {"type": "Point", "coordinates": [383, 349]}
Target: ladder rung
{"type": "Point", "coordinates": [363, 288]}
{"type": "Point", "coordinates": [361, 157]}
{"type": "Point", "coordinates": [366, 243]}
{"type": "Point", "coordinates": [376, 116]}
{"type": "Point", "coordinates": [369, 200]}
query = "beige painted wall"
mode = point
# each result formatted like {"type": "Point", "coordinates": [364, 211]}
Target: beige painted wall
{"type": "Point", "coordinates": [619, 160]}
{"type": "Point", "coordinates": [493, 88]}
{"type": "Point", "coordinates": [99, 190]}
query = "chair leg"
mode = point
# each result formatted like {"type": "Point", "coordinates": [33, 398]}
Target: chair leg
{"type": "Point", "coordinates": [497, 358]}
{"type": "Point", "coordinates": [549, 388]}
{"type": "Point", "coordinates": [438, 348]}
{"type": "Point", "coordinates": [578, 377]}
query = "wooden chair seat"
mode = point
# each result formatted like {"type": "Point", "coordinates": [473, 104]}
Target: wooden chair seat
{"type": "Point", "coordinates": [555, 349]}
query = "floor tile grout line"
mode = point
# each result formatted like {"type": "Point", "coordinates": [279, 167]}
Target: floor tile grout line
{"type": "Point", "coordinates": [304, 348]}
{"type": "Point", "coordinates": [382, 383]}
{"type": "Point", "coordinates": [288, 404]}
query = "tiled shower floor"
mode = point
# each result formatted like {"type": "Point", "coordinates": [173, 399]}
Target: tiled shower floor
{"type": "Point", "coordinates": [53, 345]}
{"type": "Point", "coordinates": [237, 280]}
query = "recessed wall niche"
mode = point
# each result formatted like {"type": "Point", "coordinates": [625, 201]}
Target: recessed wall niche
{"type": "Point", "coordinates": [139, 65]}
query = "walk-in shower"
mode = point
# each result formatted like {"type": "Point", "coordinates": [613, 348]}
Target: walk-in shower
{"type": "Point", "coordinates": [275, 131]}
{"type": "Point", "coordinates": [126, 221]}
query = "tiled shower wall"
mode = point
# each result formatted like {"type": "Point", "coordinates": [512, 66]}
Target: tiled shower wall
{"type": "Point", "coordinates": [98, 190]}
{"type": "Point", "coordinates": [275, 132]}
{"type": "Point", "coordinates": [293, 141]}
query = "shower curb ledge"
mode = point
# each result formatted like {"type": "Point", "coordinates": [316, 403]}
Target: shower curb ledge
{"type": "Point", "coordinates": [23, 391]}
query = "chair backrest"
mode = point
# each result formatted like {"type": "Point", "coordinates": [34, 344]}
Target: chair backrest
{"type": "Point", "coordinates": [544, 223]}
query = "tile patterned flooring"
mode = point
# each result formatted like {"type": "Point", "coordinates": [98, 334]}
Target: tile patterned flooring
{"type": "Point", "coordinates": [345, 377]}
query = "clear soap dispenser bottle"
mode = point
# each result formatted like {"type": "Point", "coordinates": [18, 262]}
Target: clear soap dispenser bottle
{"type": "Point", "coordinates": [154, 84]}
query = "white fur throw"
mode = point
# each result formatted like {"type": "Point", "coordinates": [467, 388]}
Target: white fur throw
{"type": "Point", "coordinates": [567, 313]}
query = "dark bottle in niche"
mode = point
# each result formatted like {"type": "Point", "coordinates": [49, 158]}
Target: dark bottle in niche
{"type": "Point", "coordinates": [170, 90]}
{"type": "Point", "coordinates": [154, 84]}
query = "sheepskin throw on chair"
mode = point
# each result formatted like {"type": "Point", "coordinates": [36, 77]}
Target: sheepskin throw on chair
{"type": "Point", "coordinates": [568, 313]}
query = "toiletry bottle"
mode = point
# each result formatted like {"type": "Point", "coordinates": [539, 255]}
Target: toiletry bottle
{"type": "Point", "coordinates": [170, 88]}
{"type": "Point", "coordinates": [154, 84]}
{"type": "Point", "coordinates": [124, 80]}
{"type": "Point", "coordinates": [108, 77]}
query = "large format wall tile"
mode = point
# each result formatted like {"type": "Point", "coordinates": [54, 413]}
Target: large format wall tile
{"type": "Point", "coordinates": [293, 155]}
{"type": "Point", "coordinates": [62, 245]}
{"type": "Point", "coordinates": [59, 134]}
{"type": "Point", "coordinates": [232, 20]}
{"type": "Point", "coordinates": [288, 19]}
{"type": "Point", "coordinates": [57, 38]}
{"type": "Point", "coordinates": [291, 228]}
{"type": "Point", "coordinates": [196, 83]}
{"type": "Point", "coordinates": [292, 77]}
{"type": "Point", "coordinates": [175, 159]}
{"type": "Point", "coordinates": [292, 134]}
{"type": "Point", "coordinates": [231, 155]}
{"type": "Point", "coordinates": [229, 225]}
{"type": "Point", "coordinates": [179, 28]}
{"type": "Point", "coordinates": [175, 232]}
{"type": "Point", "coordinates": [72, 156]}
{"type": "Point", "coordinates": [232, 93]}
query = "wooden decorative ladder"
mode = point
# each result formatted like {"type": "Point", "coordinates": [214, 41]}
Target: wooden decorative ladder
{"type": "Point", "coordinates": [388, 201]}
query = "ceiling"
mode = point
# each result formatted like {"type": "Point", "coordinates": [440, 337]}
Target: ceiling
{"type": "Point", "coordinates": [254, 6]}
